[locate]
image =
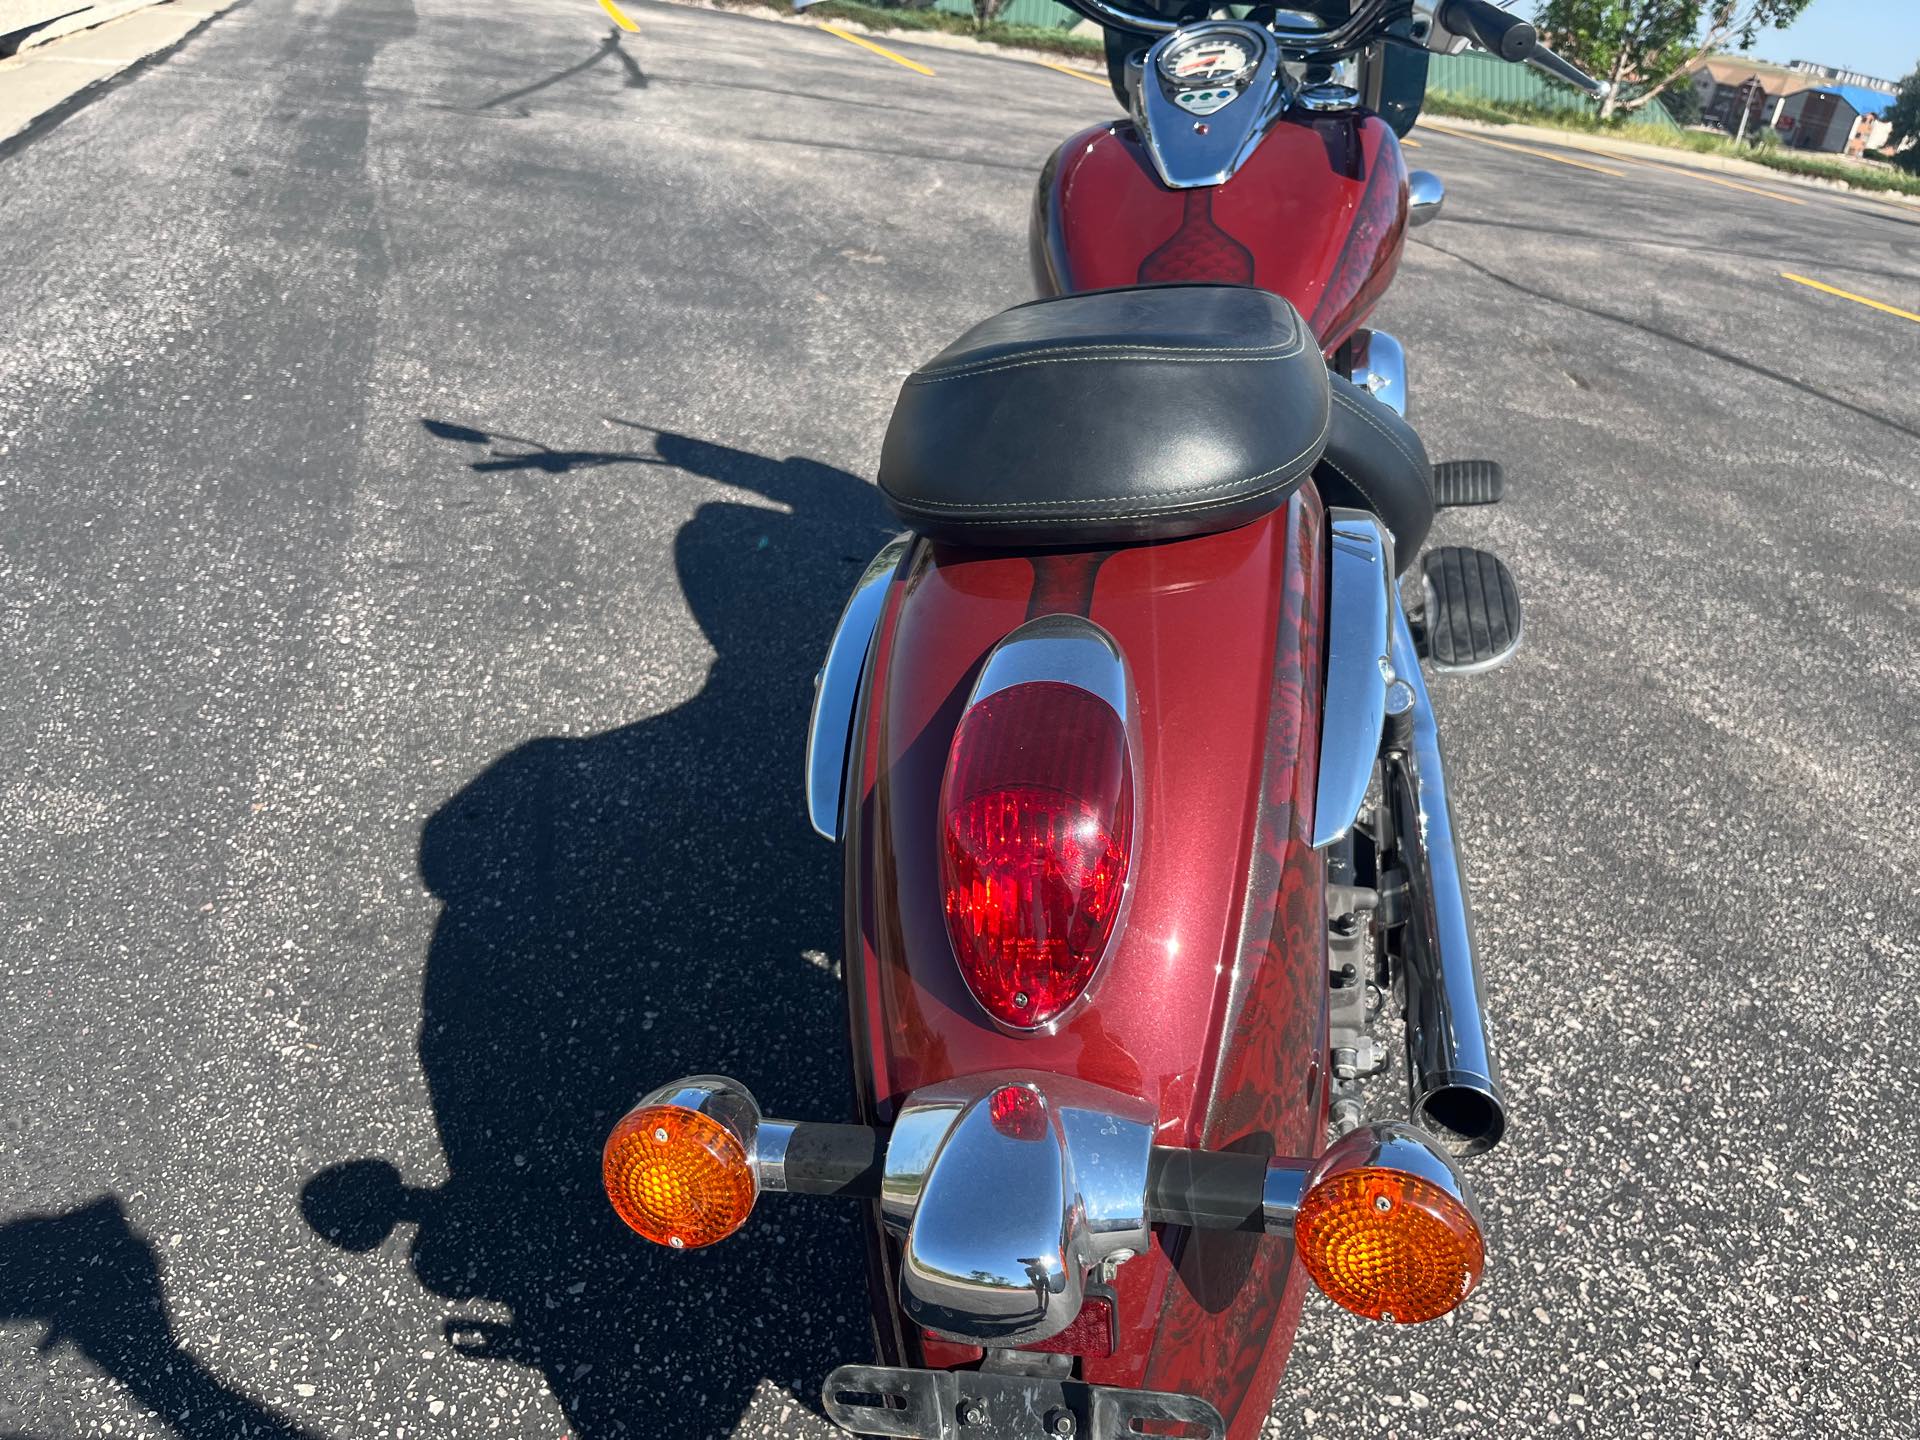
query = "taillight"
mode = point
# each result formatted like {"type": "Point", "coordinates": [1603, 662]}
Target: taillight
{"type": "Point", "coordinates": [1037, 820]}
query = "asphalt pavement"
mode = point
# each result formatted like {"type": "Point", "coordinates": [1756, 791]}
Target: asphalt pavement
{"type": "Point", "coordinates": [433, 449]}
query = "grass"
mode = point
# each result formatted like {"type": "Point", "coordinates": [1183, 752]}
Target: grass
{"type": "Point", "coordinates": [1792, 162]}
{"type": "Point", "coordinates": [1025, 37]}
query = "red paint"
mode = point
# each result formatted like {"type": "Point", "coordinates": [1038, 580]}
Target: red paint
{"type": "Point", "coordinates": [1318, 214]}
{"type": "Point", "coordinates": [1211, 1005]}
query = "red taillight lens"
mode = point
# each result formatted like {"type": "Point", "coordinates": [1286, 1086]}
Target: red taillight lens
{"type": "Point", "coordinates": [1037, 810]}
{"type": "Point", "coordinates": [1091, 1332]}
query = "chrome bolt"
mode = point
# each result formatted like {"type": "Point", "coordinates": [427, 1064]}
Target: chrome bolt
{"type": "Point", "coordinates": [1060, 1422]}
{"type": "Point", "coordinates": [1382, 1204]}
{"type": "Point", "coordinates": [660, 1136]}
{"type": "Point", "coordinates": [1020, 1000]}
{"type": "Point", "coordinates": [972, 1412]}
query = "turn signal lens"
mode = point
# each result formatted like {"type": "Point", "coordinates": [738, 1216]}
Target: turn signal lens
{"type": "Point", "coordinates": [1037, 821]}
{"type": "Point", "coordinates": [678, 1177]}
{"type": "Point", "coordinates": [1388, 1245]}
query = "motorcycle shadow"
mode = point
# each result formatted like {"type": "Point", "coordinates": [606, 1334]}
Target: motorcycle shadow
{"type": "Point", "coordinates": [619, 911]}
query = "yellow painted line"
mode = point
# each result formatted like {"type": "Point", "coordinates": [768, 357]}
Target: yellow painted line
{"type": "Point", "coordinates": [619, 17]}
{"type": "Point", "coordinates": [1414, 143]}
{"type": "Point", "coordinates": [1530, 150]}
{"type": "Point", "coordinates": [1077, 74]}
{"type": "Point", "coordinates": [866, 44]}
{"type": "Point", "coordinates": [1717, 180]}
{"type": "Point", "coordinates": [1849, 295]}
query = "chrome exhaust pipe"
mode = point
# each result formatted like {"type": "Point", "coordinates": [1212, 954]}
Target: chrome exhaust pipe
{"type": "Point", "coordinates": [1454, 1085]}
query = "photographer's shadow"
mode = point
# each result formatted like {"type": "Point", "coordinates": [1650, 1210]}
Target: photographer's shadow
{"type": "Point", "coordinates": [619, 911]}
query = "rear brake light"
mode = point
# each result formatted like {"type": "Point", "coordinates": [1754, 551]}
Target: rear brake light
{"type": "Point", "coordinates": [1090, 1334]}
{"type": "Point", "coordinates": [1037, 820]}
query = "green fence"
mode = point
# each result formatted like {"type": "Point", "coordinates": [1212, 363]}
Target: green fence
{"type": "Point", "coordinates": [1045, 13]}
{"type": "Point", "coordinates": [1485, 78]}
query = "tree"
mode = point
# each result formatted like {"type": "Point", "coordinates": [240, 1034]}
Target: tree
{"type": "Point", "coordinates": [1905, 119]}
{"type": "Point", "coordinates": [1649, 44]}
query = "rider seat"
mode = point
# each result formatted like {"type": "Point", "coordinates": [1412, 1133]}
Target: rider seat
{"type": "Point", "coordinates": [1145, 413]}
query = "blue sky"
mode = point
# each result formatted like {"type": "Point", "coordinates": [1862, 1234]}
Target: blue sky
{"type": "Point", "coordinates": [1879, 37]}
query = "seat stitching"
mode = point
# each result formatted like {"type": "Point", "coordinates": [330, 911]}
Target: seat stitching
{"type": "Point", "coordinates": [1140, 514]}
{"type": "Point", "coordinates": [1318, 444]}
{"type": "Point", "coordinates": [1126, 348]}
{"type": "Point", "coordinates": [1219, 356]}
{"type": "Point", "coordinates": [1352, 407]}
{"type": "Point", "coordinates": [1373, 502]}
{"type": "Point", "coordinates": [1292, 344]}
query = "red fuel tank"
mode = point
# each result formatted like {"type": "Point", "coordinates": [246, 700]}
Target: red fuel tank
{"type": "Point", "coordinates": [1212, 1004]}
{"type": "Point", "coordinates": [1318, 214]}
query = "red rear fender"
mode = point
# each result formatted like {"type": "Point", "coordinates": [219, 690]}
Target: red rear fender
{"type": "Point", "coordinates": [1211, 1003]}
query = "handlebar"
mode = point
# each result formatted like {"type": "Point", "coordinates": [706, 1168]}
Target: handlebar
{"type": "Point", "coordinates": [1511, 38]}
{"type": "Point", "coordinates": [1494, 30]}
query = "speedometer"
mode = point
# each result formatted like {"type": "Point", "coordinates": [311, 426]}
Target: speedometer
{"type": "Point", "coordinates": [1205, 60]}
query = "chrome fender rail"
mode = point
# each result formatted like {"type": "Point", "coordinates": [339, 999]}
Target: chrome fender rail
{"type": "Point", "coordinates": [836, 689]}
{"type": "Point", "coordinates": [1360, 609]}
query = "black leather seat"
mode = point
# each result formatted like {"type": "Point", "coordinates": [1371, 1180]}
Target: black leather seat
{"type": "Point", "coordinates": [1375, 461]}
{"type": "Point", "coordinates": [1145, 413]}
{"type": "Point", "coordinates": [1116, 415]}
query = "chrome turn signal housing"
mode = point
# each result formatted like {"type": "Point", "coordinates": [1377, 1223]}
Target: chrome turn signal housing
{"type": "Point", "coordinates": [1387, 1228]}
{"type": "Point", "coordinates": [679, 1167]}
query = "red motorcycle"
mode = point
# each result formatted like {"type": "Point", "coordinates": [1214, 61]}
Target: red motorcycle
{"type": "Point", "coordinates": [1139, 786]}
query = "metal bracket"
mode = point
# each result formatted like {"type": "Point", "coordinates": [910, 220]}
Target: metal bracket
{"type": "Point", "coordinates": [974, 1405]}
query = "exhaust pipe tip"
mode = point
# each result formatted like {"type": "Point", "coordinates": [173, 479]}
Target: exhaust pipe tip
{"type": "Point", "coordinates": [1465, 1112]}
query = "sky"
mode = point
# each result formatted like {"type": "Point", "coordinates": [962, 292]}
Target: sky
{"type": "Point", "coordinates": [1876, 37]}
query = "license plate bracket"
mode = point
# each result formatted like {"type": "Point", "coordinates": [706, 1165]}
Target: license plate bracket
{"type": "Point", "coordinates": [907, 1404]}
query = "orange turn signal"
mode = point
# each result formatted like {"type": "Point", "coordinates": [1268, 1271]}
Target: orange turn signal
{"type": "Point", "coordinates": [678, 1176]}
{"type": "Point", "coordinates": [1387, 1244]}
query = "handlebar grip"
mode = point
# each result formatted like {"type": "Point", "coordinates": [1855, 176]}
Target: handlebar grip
{"type": "Point", "coordinates": [1494, 30]}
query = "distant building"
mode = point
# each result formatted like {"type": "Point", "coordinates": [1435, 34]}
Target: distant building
{"type": "Point", "coordinates": [1843, 77]}
{"type": "Point", "coordinates": [1839, 119]}
{"type": "Point", "coordinates": [1810, 107]}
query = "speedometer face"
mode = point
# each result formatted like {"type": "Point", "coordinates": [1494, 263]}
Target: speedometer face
{"type": "Point", "coordinates": [1207, 60]}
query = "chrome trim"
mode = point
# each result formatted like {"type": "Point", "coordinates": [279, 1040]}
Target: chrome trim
{"type": "Point", "coordinates": [1101, 12]}
{"type": "Point", "coordinates": [1327, 99]}
{"type": "Point", "coordinates": [1066, 648]}
{"type": "Point", "coordinates": [1280, 1196]}
{"type": "Point", "coordinates": [836, 689]}
{"type": "Point", "coordinates": [728, 1101]}
{"type": "Point", "coordinates": [1453, 1082]}
{"type": "Point", "coordinates": [1380, 368]}
{"type": "Point", "coordinates": [1395, 1146]}
{"type": "Point", "coordinates": [1001, 1231]}
{"type": "Point", "coordinates": [1070, 650]}
{"type": "Point", "coordinates": [1359, 605]}
{"type": "Point", "coordinates": [1426, 197]}
{"type": "Point", "coordinates": [770, 1154]}
{"type": "Point", "coordinates": [1190, 152]}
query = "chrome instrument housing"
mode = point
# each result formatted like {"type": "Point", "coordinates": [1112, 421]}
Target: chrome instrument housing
{"type": "Point", "coordinates": [1359, 618]}
{"type": "Point", "coordinates": [836, 689]}
{"type": "Point", "coordinates": [1002, 1230]}
{"type": "Point", "coordinates": [1189, 151]}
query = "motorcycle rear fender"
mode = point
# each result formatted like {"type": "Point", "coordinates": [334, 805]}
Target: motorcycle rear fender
{"type": "Point", "coordinates": [1211, 1007]}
